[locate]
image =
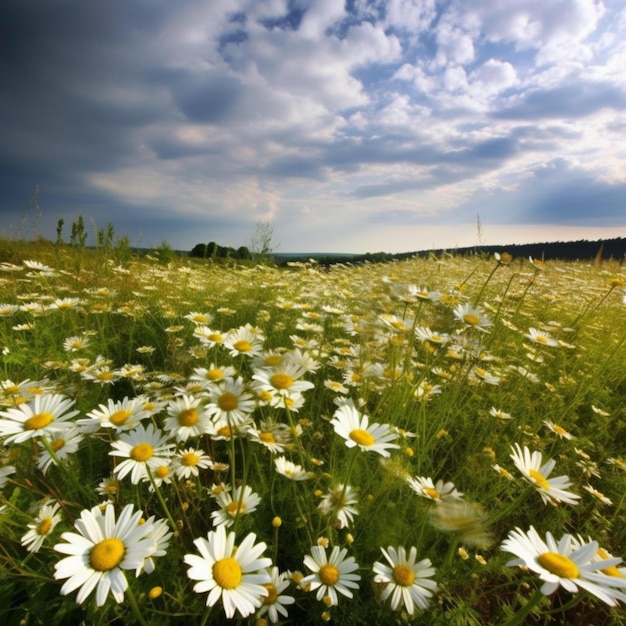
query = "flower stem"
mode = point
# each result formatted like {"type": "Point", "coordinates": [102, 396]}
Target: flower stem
{"type": "Point", "coordinates": [135, 607]}
{"type": "Point", "coordinates": [162, 502]}
{"type": "Point", "coordinates": [533, 601]}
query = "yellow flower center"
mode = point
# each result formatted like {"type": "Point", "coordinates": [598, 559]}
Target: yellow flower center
{"type": "Point", "coordinates": [281, 381]}
{"type": "Point", "coordinates": [57, 444]}
{"type": "Point", "coordinates": [228, 401]}
{"type": "Point", "coordinates": [242, 345]}
{"type": "Point", "coordinates": [142, 452]}
{"type": "Point", "coordinates": [267, 437]}
{"type": "Point", "coordinates": [119, 417]}
{"type": "Point", "coordinates": [329, 575]}
{"type": "Point", "coordinates": [362, 437]}
{"type": "Point", "coordinates": [37, 421]}
{"type": "Point", "coordinates": [225, 431]}
{"type": "Point", "coordinates": [227, 573]}
{"type": "Point", "coordinates": [44, 527]}
{"type": "Point", "coordinates": [162, 471]}
{"type": "Point", "coordinates": [273, 360]}
{"type": "Point", "coordinates": [539, 479]}
{"type": "Point", "coordinates": [188, 417]}
{"type": "Point", "coordinates": [559, 430]}
{"type": "Point", "coordinates": [403, 575]}
{"type": "Point", "coordinates": [107, 554]}
{"type": "Point", "coordinates": [214, 374]}
{"type": "Point", "coordinates": [235, 507]}
{"type": "Point", "coordinates": [189, 459]}
{"type": "Point", "coordinates": [105, 376]}
{"type": "Point", "coordinates": [272, 594]}
{"type": "Point", "coordinates": [558, 564]}
{"type": "Point", "coordinates": [216, 337]}
{"type": "Point", "coordinates": [471, 319]}
{"type": "Point", "coordinates": [432, 493]}
{"type": "Point", "coordinates": [541, 339]}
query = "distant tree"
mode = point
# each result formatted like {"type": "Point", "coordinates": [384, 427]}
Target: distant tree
{"type": "Point", "coordinates": [243, 253]}
{"type": "Point", "coordinates": [60, 224]}
{"type": "Point", "coordinates": [199, 251]}
{"type": "Point", "coordinates": [261, 243]}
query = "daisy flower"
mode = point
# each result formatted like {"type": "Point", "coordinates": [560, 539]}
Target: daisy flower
{"type": "Point", "coordinates": [408, 583]}
{"type": "Point", "coordinates": [190, 461]}
{"type": "Point", "coordinates": [558, 430]}
{"type": "Point", "coordinates": [439, 492]}
{"type": "Point", "coordinates": [63, 444]}
{"type": "Point", "coordinates": [160, 534]}
{"type": "Point", "coordinates": [143, 448]}
{"type": "Point", "coordinates": [567, 563]}
{"type": "Point", "coordinates": [355, 428]}
{"type": "Point", "coordinates": [498, 413]}
{"type": "Point", "coordinates": [472, 317]}
{"type": "Point", "coordinates": [101, 551]}
{"type": "Point", "coordinates": [244, 340]}
{"type": "Point", "coordinates": [290, 470]}
{"type": "Point", "coordinates": [5, 472]}
{"type": "Point", "coordinates": [281, 382]}
{"type": "Point", "coordinates": [340, 501]}
{"type": "Point", "coordinates": [235, 574]}
{"type": "Point", "coordinates": [551, 491]}
{"type": "Point", "coordinates": [242, 501]}
{"type": "Point", "coordinates": [45, 415]}
{"type": "Point", "coordinates": [47, 518]}
{"type": "Point", "coordinates": [186, 417]}
{"type": "Point", "coordinates": [75, 343]}
{"type": "Point", "coordinates": [331, 575]}
{"type": "Point", "coordinates": [124, 414]}
{"type": "Point", "coordinates": [230, 401]}
{"type": "Point", "coordinates": [596, 494]}
{"type": "Point", "coordinates": [266, 438]}
{"type": "Point", "coordinates": [537, 336]}
{"type": "Point", "coordinates": [466, 519]}
{"type": "Point", "coordinates": [275, 602]}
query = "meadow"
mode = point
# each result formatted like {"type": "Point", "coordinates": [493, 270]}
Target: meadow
{"type": "Point", "coordinates": [431, 441]}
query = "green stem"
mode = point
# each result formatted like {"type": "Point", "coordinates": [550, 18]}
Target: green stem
{"type": "Point", "coordinates": [162, 502]}
{"type": "Point", "coordinates": [135, 607]}
{"type": "Point", "coordinates": [533, 601]}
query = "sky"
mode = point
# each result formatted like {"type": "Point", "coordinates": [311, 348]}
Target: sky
{"type": "Point", "coordinates": [364, 126]}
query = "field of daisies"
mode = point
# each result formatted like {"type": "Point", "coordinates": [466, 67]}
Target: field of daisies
{"type": "Point", "coordinates": [432, 441]}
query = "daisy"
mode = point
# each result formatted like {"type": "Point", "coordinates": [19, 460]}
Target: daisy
{"type": "Point", "coordinates": [45, 415]}
{"type": "Point", "coordinates": [537, 336]}
{"type": "Point", "coordinates": [142, 449]}
{"type": "Point", "coordinates": [266, 438]}
{"type": "Point", "coordinates": [189, 462]}
{"type": "Point", "coordinates": [596, 494]}
{"type": "Point", "coordinates": [124, 414]}
{"type": "Point", "coordinates": [207, 336]}
{"type": "Point", "coordinates": [466, 519]}
{"type": "Point", "coordinates": [236, 574]}
{"type": "Point", "coordinates": [242, 501]}
{"type": "Point", "coordinates": [187, 417]}
{"type": "Point", "coordinates": [340, 501]}
{"type": "Point", "coordinates": [472, 317]}
{"type": "Point", "coordinates": [244, 340]}
{"type": "Point", "coordinates": [274, 603]}
{"type": "Point", "coordinates": [160, 534]}
{"type": "Point", "coordinates": [330, 574]}
{"type": "Point", "coordinates": [230, 401]}
{"type": "Point", "coordinates": [101, 551]}
{"type": "Point", "coordinates": [498, 413]}
{"type": "Point", "coordinates": [355, 428]}
{"type": "Point", "coordinates": [73, 344]}
{"type": "Point", "coordinates": [47, 518]}
{"type": "Point", "coordinates": [290, 470]}
{"type": "Point", "coordinates": [407, 582]}
{"type": "Point", "coordinates": [567, 563]}
{"type": "Point", "coordinates": [5, 472]}
{"type": "Point", "coordinates": [283, 381]}
{"type": "Point", "coordinates": [199, 318]}
{"type": "Point", "coordinates": [439, 492]}
{"type": "Point", "coordinates": [551, 491]}
{"type": "Point", "coordinates": [559, 430]}
{"type": "Point", "coordinates": [63, 444]}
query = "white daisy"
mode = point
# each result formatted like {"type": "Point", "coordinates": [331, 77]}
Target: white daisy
{"type": "Point", "coordinates": [142, 449]}
{"type": "Point", "coordinates": [245, 340]}
{"type": "Point", "coordinates": [190, 461]}
{"type": "Point", "coordinates": [234, 574]}
{"type": "Point", "coordinates": [187, 417]}
{"type": "Point", "coordinates": [290, 470]}
{"type": "Point", "coordinates": [425, 487]}
{"type": "Point", "coordinates": [408, 583]}
{"type": "Point", "coordinates": [551, 491]}
{"type": "Point", "coordinates": [545, 339]}
{"type": "Point", "coordinates": [47, 518]}
{"type": "Point", "coordinates": [331, 574]}
{"type": "Point", "coordinates": [355, 428]}
{"type": "Point", "coordinates": [101, 551]}
{"type": "Point", "coordinates": [45, 415]}
{"type": "Point", "coordinates": [230, 401]}
{"type": "Point", "coordinates": [5, 472]}
{"type": "Point", "coordinates": [275, 601]}
{"type": "Point", "coordinates": [124, 414]}
{"type": "Point", "coordinates": [242, 501]}
{"type": "Point", "coordinates": [340, 501]}
{"type": "Point", "coordinates": [567, 563]}
{"type": "Point", "coordinates": [62, 444]}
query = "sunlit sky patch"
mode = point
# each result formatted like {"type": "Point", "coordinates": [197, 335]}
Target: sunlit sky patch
{"type": "Point", "coordinates": [369, 125]}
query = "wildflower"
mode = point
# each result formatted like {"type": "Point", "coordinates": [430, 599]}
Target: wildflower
{"type": "Point", "coordinates": [235, 574]}
{"type": "Point", "coordinates": [108, 487]}
{"type": "Point", "coordinates": [408, 583]}
{"type": "Point", "coordinates": [423, 333]}
{"type": "Point", "coordinates": [340, 501]}
{"type": "Point", "coordinates": [231, 402]}
{"type": "Point", "coordinates": [480, 374]}
{"type": "Point", "coordinates": [274, 603]}
{"type": "Point", "coordinates": [331, 574]}
{"type": "Point", "coordinates": [599, 411]}
{"type": "Point", "coordinates": [472, 317]}
{"type": "Point", "coordinates": [542, 338]}
{"type": "Point", "coordinates": [187, 417]}
{"type": "Point", "coordinates": [355, 428]}
{"type": "Point", "coordinates": [559, 430]}
{"type": "Point", "coordinates": [245, 340]}
{"type": "Point", "coordinates": [160, 534]}
{"type": "Point", "coordinates": [501, 415]}
{"type": "Point", "coordinates": [62, 445]}
{"type": "Point", "coordinates": [207, 336]}
{"type": "Point", "coordinates": [551, 491]}
{"type": "Point", "coordinates": [466, 519]}
{"type": "Point", "coordinates": [290, 470]}
{"type": "Point", "coordinates": [598, 495]}
{"type": "Point", "coordinates": [242, 501]}
{"type": "Point", "coordinates": [101, 551]}
{"type": "Point", "coordinates": [199, 318]}
{"type": "Point", "coordinates": [47, 518]}
{"type": "Point", "coordinates": [427, 489]}
{"type": "Point", "coordinates": [5, 472]}
{"type": "Point", "coordinates": [282, 382]}
{"type": "Point", "coordinates": [124, 414]}
{"type": "Point", "coordinates": [45, 415]}
{"type": "Point", "coordinates": [141, 449]}
{"type": "Point", "coordinates": [190, 461]}
{"type": "Point", "coordinates": [566, 563]}
{"type": "Point", "coordinates": [503, 472]}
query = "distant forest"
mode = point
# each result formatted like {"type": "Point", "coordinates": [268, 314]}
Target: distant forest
{"type": "Point", "coordinates": [581, 250]}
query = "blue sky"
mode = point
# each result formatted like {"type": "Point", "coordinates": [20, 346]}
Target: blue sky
{"type": "Point", "coordinates": [369, 125]}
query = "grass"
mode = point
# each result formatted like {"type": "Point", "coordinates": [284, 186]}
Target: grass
{"type": "Point", "coordinates": [439, 352]}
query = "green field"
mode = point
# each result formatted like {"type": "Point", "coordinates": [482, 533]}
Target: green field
{"type": "Point", "coordinates": [187, 442]}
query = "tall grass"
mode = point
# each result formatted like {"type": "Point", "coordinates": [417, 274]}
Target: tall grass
{"type": "Point", "coordinates": [439, 352]}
